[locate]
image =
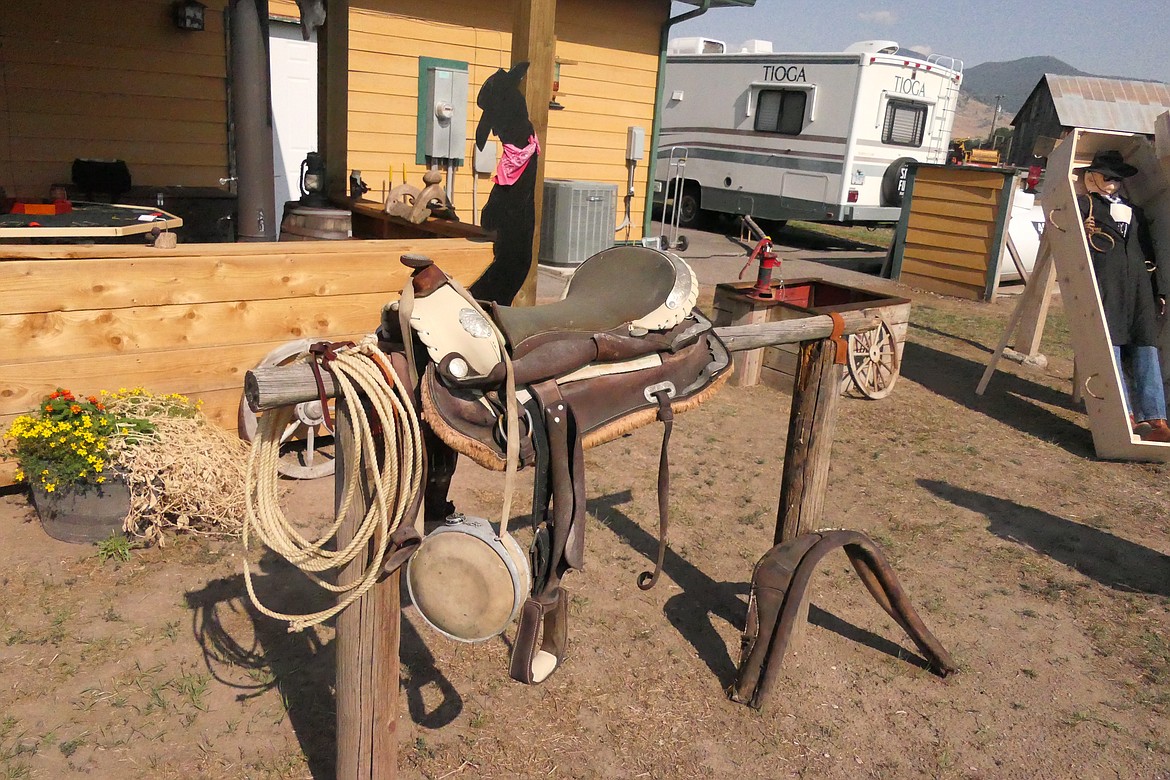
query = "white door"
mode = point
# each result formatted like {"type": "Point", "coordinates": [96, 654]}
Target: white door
{"type": "Point", "coordinates": [294, 106]}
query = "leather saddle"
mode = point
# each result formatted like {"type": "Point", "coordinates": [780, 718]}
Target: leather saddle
{"type": "Point", "coordinates": [623, 348]}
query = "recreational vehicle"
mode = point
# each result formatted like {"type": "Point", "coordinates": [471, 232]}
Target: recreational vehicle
{"type": "Point", "coordinates": [822, 137]}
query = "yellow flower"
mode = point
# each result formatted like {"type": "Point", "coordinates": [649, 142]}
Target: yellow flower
{"type": "Point", "coordinates": [50, 487]}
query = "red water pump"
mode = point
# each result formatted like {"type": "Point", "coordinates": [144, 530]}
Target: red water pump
{"type": "Point", "coordinates": [763, 289]}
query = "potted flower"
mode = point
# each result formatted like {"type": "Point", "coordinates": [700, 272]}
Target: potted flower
{"type": "Point", "coordinates": [62, 450]}
{"type": "Point", "coordinates": [128, 460]}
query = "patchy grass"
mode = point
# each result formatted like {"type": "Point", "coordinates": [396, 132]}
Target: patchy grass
{"type": "Point", "coordinates": [877, 237]}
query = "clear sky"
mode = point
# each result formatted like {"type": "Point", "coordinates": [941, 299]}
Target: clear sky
{"type": "Point", "coordinates": [1126, 38]}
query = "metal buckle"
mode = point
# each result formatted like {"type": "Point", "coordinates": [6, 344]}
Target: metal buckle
{"type": "Point", "coordinates": [654, 390]}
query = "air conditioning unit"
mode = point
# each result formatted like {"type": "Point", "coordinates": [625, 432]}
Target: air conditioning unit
{"type": "Point", "coordinates": [577, 220]}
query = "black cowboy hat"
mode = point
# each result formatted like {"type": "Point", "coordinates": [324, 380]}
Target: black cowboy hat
{"type": "Point", "coordinates": [1111, 164]}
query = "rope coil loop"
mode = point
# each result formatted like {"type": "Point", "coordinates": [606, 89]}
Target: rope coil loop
{"type": "Point", "coordinates": [385, 430]}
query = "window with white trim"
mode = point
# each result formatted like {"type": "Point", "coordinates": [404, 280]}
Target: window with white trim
{"type": "Point", "coordinates": [781, 111]}
{"type": "Point", "coordinates": [905, 123]}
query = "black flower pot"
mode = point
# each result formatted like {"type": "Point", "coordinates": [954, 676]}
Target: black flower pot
{"type": "Point", "coordinates": [83, 513]}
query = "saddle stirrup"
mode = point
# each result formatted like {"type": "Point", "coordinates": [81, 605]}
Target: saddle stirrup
{"type": "Point", "coordinates": [530, 665]}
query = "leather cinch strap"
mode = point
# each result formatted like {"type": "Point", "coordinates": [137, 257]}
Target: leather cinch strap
{"type": "Point", "coordinates": [647, 580]}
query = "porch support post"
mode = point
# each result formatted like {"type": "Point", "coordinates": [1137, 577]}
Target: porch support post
{"type": "Point", "coordinates": [252, 117]}
{"type": "Point", "coordinates": [333, 96]}
{"type": "Point", "coordinates": [534, 42]}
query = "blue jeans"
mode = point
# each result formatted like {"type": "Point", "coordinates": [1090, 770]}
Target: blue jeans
{"type": "Point", "coordinates": [1143, 369]}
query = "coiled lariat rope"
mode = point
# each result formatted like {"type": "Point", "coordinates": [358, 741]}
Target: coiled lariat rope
{"type": "Point", "coordinates": [361, 374]}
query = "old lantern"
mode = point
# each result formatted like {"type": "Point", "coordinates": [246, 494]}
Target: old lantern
{"type": "Point", "coordinates": [313, 181]}
{"type": "Point", "coordinates": [189, 14]}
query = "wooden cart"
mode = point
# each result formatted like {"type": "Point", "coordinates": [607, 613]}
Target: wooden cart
{"type": "Point", "coordinates": [874, 356]}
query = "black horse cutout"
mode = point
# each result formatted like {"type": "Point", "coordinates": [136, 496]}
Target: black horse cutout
{"type": "Point", "coordinates": [510, 210]}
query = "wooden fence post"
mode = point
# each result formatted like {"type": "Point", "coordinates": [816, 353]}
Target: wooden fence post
{"type": "Point", "coordinates": [368, 634]}
{"type": "Point", "coordinates": [810, 440]}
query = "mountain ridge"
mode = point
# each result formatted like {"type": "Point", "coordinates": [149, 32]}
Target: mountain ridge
{"type": "Point", "coordinates": [1012, 80]}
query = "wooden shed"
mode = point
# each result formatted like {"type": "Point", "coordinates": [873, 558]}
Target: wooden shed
{"type": "Point", "coordinates": [1057, 104]}
{"type": "Point", "coordinates": [953, 229]}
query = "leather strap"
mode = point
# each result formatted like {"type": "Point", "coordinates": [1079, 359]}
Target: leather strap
{"type": "Point", "coordinates": [540, 485]}
{"type": "Point", "coordinates": [322, 353]}
{"type": "Point", "coordinates": [841, 342]}
{"type": "Point", "coordinates": [647, 580]}
{"type": "Point", "coordinates": [405, 308]}
{"type": "Point", "coordinates": [546, 619]}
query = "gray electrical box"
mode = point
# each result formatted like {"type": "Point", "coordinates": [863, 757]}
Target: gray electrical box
{"type": "Point", "coordinates": [485, 158]}
{"type": "Point", "coordinates": [445, 113]}
{"type": "Point", "coordinates": [635, 143]}
{"type": "Point", "coordinates": [577, 220]}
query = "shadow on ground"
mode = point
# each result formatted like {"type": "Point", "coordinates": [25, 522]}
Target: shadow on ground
{"type": "Point", "coordinates": [1110, 560]}
{"type": "Point", "coordinates": [1010, 399]}
{"type": "Point", "coordinates": [703, 600]}
{"type": "Point", "coordinates": [299, 664]}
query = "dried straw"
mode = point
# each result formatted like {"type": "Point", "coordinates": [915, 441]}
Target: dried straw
{"type": "Point", "coordinates": [187, 475]}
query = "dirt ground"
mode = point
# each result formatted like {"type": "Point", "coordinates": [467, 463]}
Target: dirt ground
{"type": "Point", "coordinates": [1044, 572]}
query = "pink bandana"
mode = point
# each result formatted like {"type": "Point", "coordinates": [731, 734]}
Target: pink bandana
{"type": "Point", "coordinates": [514, 160]}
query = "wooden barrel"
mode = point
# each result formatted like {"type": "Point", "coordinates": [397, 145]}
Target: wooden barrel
{"type": "Point", "coordinates": [303, 223]}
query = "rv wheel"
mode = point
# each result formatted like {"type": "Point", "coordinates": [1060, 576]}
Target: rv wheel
{"type": "Point", "coordinates": [894, 181]}
{"type": "Point", "coordinates": [687, 204]}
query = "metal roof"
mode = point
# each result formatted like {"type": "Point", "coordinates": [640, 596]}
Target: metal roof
{"type": "Point", "coordinates": [1108, 104]}
{"type": "Point", "coordinates": [722, 3]}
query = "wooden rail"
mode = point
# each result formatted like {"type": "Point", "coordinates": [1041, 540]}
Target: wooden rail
{"type": "Point", "coordinates": [274, 386]}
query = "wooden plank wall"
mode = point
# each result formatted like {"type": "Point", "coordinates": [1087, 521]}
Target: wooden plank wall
{"type": "Point", "coordinates": [610, 55]}
{"type": "Point", "coordinates": [189, 320]}
{"type": "Point", "coordinates": [950, 242]}
{"type": "Point", "coordinates": [110, 79]}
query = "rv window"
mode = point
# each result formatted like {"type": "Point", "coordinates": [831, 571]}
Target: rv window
{"type": "Point", "coordinates": [905, 122]}
{"type": "Point", "coordinates": [781, 111]}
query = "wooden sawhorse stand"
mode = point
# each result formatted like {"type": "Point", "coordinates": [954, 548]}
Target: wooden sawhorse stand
{"type": "Point", "coordinates": [368, 632]}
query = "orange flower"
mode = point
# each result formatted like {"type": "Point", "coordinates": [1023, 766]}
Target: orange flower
{"type": "Point", "coordinates": [75, 409]}
{"type": "Point", "coordinates": [54, 395]}
{"type": "Point", "coordinates": [92, 399]}
{"type": "Point", "coordinates": [101, 407]}
{"type": "Point", "coordinates": [48, 407]}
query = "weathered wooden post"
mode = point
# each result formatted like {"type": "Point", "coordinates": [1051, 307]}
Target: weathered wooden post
{"type": "Point", "coordinates": [810, 440]}
{"type": "Point", "coordinates": [368, 634]}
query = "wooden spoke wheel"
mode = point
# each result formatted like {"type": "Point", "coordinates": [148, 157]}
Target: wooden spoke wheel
{"type": "Point", "coordinates": [306, 445]}
{"type": "Point", "coordinates": [873, 361]}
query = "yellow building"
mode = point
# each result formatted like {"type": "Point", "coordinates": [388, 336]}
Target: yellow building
{"type": "Point", "coordinates": [119, 80]}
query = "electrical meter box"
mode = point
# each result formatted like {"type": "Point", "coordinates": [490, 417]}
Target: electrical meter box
{"type": "Point", "coordinates": [445, 113]}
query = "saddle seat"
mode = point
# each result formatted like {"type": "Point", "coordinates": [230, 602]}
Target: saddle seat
{"type": "Point", "coordinates": [621, 303]}
{"type": "Point", "coordinates": [633, 286]}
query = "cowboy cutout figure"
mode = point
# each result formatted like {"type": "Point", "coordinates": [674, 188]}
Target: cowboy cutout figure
{"type": "Point", "coordinates": [1132, 288]}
